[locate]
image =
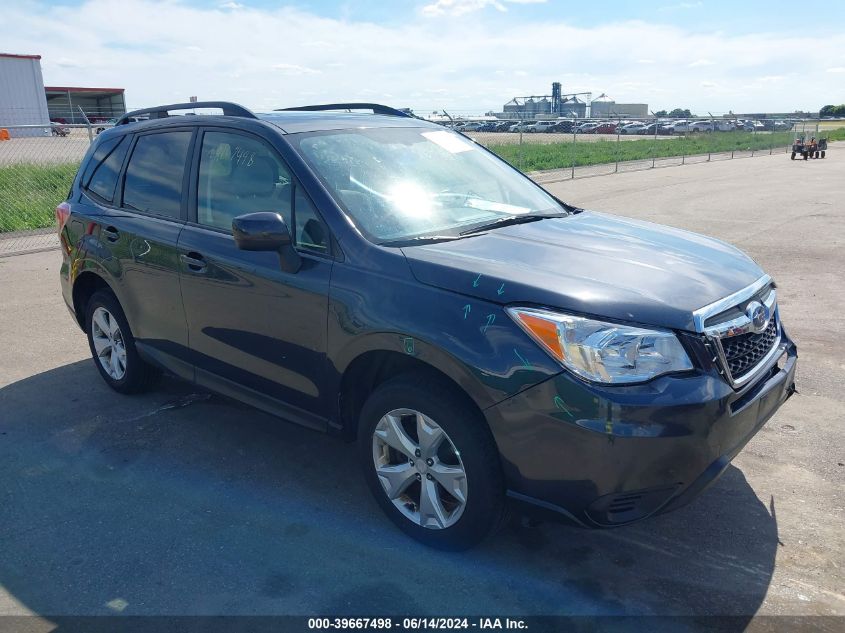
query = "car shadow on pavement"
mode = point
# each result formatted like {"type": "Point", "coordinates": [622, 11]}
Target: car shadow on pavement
{"type": "Point", "coordinates": [180, 502]}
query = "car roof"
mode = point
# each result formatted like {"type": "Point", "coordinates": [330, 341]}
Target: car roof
{"type": "Point", "coordinates": [290, 122]}
{"type": "Point", "coordinates": [293, 121]}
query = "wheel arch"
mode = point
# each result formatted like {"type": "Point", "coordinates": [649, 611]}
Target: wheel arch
{"type": "Point", "coordinates": [84, 286]}
{"type": "Point", "coordinates": [366, 369]}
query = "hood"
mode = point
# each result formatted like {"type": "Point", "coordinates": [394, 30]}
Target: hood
{"type": "Point", "coordinates": [590, 263]}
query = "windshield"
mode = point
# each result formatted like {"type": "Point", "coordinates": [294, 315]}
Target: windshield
{"type": "Point", "coordinates": [404, 183]}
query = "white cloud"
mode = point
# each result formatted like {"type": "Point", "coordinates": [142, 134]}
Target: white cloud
{"type": "Point", "coordinates": [295, 69]}
{"type": "Point", "coordinates": [67, 62]}
{"type": "Point", "coordinates": [701, 62]}
{"type": "Point", "coordinates": [462, 7]}
{"type": "Point", "coordinates": [234, 6]}
{"type": "Point", "coordinates": [681, 6]}
{"type": "Point", "coordinates": [247, 55]}
{"type": "Point", "coordinates": [836, 69]}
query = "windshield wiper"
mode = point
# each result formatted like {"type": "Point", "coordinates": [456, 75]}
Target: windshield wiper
{"type": "Point", "coordinates": [422, 239]}
{"type": "Point", "coordinates": [513, 219]}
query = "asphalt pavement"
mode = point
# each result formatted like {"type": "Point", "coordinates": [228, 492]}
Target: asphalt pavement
{"type": "Point", "coordinates": [182, 502]}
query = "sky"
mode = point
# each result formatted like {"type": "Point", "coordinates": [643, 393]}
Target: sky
{"type": "Point", "coordinates": [464, 56]}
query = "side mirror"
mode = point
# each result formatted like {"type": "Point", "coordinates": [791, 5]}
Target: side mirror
{"type": "Point", "coordinates": [266, 231]}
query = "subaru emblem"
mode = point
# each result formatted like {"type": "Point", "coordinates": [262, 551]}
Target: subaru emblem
{"type": "Point", "coordinates": [758, 314]}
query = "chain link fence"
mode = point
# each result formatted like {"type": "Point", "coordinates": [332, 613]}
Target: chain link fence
{"type": "Point", "coordinates": [552, 151]}
{"type": "Point", "coordinates": [38, 162]}
{"type": "Point", "coordinates": [37, 166]}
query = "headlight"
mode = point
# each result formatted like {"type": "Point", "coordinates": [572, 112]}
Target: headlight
{"type": "Point", "coordinates": [600, 351]}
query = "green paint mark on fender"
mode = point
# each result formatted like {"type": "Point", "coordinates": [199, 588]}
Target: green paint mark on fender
{"type": "Point", "coordinates": [408, 344]}
{"type": "Point", "coordinates": [562, 406]}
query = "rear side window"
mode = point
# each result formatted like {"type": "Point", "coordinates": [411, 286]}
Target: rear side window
{"type": "Point", "coordinates": [153, 182]}
{"type": "Point", "coordinates": [103, 178]}
{"type": "Point", "coordinates": [102, 150]}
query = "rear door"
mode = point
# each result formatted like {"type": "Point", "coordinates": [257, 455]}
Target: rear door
{"type": "Point", "coordinates": [141, 231]}
{"type": "Point", "coordinates": [256, 331]}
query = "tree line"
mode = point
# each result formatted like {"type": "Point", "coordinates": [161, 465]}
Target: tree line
{"type": "Point", "coordinates": [833, 110]}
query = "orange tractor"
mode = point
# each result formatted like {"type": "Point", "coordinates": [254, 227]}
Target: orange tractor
{"type": "Point", "coordinates": [809, 149]}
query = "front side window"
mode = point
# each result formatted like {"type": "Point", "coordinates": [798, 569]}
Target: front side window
{"type": "Point", "coordinates": [400, 183]}
{"type": "Point", "coordinates": [239, 174]}
{"type": "Point", "coordinates": [153, 182]}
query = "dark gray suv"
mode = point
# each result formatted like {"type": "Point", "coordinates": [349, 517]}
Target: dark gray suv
{"type": "Point", "coordinates": [390, 281]}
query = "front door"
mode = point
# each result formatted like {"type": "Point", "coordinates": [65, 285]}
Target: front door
{"type": "Point", "coordinates": [253, 327]}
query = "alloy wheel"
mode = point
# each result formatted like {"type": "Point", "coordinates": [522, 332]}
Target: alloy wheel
{"type": "Point", "coordinates": [419, 468]}
{"type": "Point", "coordinates": [108, 343]}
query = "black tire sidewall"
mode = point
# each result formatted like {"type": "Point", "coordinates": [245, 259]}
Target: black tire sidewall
{"type": "Point", "coordinates": [468, 430]}
{"type": "Point", "coordinates": [134, 377]}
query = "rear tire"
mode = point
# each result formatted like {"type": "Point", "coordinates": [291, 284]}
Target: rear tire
{"type": "Point", "coordinates": [414, 483]}
{"type": "Point", "coordinates": [793, 156]}
{"type": "Point", "coordinates": [822, 153]}
{"type": "Point", "coordinates": [113, 346]}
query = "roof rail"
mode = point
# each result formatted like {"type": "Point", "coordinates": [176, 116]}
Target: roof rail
{"type": "Point", "coordinates": [377, 108]}
{"type": "Point", "coordinates": [160, 112]}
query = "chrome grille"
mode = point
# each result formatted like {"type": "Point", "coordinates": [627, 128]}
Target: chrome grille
{"type": "Point", "coordinates": [741, 349]}
{"type": "Point", "coordinates": [742, 353]}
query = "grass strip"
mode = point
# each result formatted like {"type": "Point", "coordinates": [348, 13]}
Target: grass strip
{"type": "Point", "coordinates": [29, 194]}
{"type": "Point", "coordinates": [539, 156]}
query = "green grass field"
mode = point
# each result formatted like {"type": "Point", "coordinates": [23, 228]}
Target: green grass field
{"type": "Point", "coordinates": [537, 156]}
{"type": "Point", "coordinates": [29, 193]}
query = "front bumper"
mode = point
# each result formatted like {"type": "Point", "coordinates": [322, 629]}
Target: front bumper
{"type": "Point", "coordinates": [605, 456]}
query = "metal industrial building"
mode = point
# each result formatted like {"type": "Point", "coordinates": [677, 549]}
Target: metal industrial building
{"type": "Point", "coordinates": [22, 97]}
{"type": "Point", "coordinates": [603, 106]}
{"type": "Point", "coordinates": [550, 106]}
{"type": "Point", "coordinates": [558, 105]}
{"type": "Point", "coordinates": [24, 100]}
{"type": "Point", "coordinates": [99, 104]}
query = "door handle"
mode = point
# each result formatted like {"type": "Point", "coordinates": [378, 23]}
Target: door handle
{"type": "Point", "coordinates": [111, 233]}
{"type": "Point", "coordinates": [194, 261]}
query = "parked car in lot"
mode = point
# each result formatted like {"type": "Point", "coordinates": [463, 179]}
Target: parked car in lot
{"type": "Point", "coordinates": [703, 125]}
{"type": "Point", "coordinates": [681, 127]}
{"type": "Point", "coordinates": [563, 126]}
{"type": "Point", "coordinates": [633, 128]}
{"type": "Point", "coordinates": [753, 126]}
{"type": "Point", "coordinates": [381, 278]}
{"type": "Point", "coordinates": [521, 126]}
{"type": "Point", "coordinates": [666, 127]}
{"type": "Point", "coordinates": [57, 129]}
{"type": "Point", "coordinates": [541, 126]}
{"type": "Point", "coordinates": [587, 127]}
{"type": "Point", "coordinates": [776, 125]}
{"type": "Point", "coordinates": [605, 127]}
{"type": "Point", "coordinates": [723, 125]}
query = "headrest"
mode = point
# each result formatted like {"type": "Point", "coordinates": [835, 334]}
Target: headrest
{"type": "Point", "coordinates": [256, 179]}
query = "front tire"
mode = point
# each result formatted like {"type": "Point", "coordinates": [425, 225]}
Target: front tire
{"type": "Point", "coordinates": [431, 462]}
{"type": "Point", "coordinates": [113, 346]}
